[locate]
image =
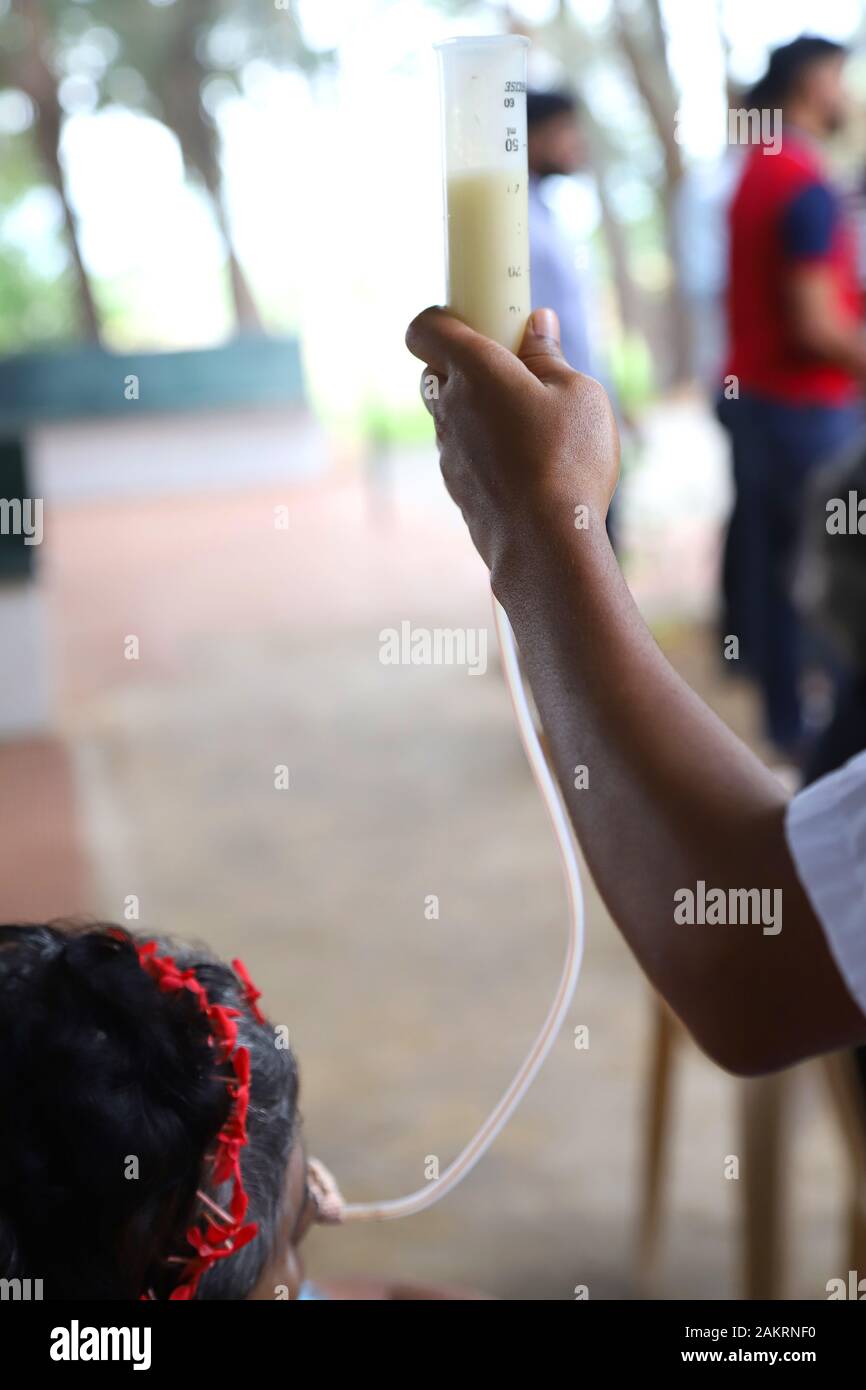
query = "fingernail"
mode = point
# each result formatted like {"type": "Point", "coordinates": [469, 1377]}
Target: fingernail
{"type": "Point", "coordinates": [544, 323]}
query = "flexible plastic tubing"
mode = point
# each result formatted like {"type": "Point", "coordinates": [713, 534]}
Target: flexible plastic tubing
{"type": "Point", "coordinates": [501, 1114]}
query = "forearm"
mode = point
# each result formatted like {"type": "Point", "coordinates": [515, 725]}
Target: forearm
{"type": "Point", "coordinates": [838, 345]}
{"type": "Point", "coordinates": [672, 797]}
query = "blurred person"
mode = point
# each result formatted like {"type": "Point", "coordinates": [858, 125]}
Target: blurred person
{"type": "Point", "coordinates": [556, 147]}
{"type": "Point", "coordinates": [831, 591]}
{"type": "Point", "coordinates": [118, 1049]}
{"type": "Point", "coordinates": [775, 970]}
{"type": "Point", "coordinates": [701, 212]}
{"type": "Point", "coordinates": [831, 588]}
{"type": "Point", "coordinates": [797, 359]}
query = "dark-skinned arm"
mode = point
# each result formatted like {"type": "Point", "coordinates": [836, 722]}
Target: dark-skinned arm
{"type": "Point", "coordinates": [673, 796]}
{"type": "Point", "coordinates": [817, 326]}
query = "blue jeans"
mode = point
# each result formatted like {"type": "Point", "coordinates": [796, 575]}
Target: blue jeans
{"type": "Point", "coordinates": [777, 448]}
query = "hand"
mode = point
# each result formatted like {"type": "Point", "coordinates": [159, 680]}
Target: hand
{"type": "Point", "coordinates": [522, 439]}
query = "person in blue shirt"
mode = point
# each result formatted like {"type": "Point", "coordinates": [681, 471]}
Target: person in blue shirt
{"type": "Point", "coordinates": [556, 146]}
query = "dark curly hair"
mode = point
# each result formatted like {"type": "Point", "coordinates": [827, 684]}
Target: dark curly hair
{"type": "Point", "coordinates": [787, 65]}
{"type": "Point", "coordinates": [100, 1067]}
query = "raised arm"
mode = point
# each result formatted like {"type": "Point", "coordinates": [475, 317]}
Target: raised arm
{"type": "Point", "coordinates": [530, 454]}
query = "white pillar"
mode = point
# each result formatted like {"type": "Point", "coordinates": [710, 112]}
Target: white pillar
{"type": "Point", "coordinates": [25, 686]}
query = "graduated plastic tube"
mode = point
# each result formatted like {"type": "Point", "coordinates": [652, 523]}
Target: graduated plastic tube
{"type": "Point", "coordinates": [483, 97]}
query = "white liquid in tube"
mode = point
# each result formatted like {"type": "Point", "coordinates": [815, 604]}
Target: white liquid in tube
{"type": "Point", "coordinates": [483, 87]}
{"type": "Point", "coordinates": [488, 253]}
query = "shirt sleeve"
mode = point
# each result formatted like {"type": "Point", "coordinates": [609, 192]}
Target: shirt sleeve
{"type": "Point", "coordinates": [826, 831]}
{"type": "Point", "coordinates": [809, 223]}
{"type": "Point", "coordinates": [557, 285]}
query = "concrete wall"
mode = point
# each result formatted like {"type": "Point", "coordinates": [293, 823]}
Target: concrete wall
{"type": "Point", "coordinates": [76, 462]}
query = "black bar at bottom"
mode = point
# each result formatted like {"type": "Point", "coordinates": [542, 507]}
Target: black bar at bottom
{"type": "Point", "coordinates": [246, 1343]}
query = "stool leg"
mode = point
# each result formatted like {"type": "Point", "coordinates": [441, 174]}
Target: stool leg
{"type": "Point", "coordinates": [657, 1126]}
{"type": "Point", "coordinates": [846, 1095]}
{"type": "Point", "coordinates": [857, 1235]}
{"type": "Point", "coordinates": [762, 1175]}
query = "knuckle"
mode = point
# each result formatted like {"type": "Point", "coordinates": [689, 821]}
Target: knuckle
{"type": "Point", "coordinates": [590, 395]}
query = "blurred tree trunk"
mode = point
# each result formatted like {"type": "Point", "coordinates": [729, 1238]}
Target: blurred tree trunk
{"type": "Point", "coordinates": [180, 93]}
{"type": "Point", "coordinates": [33, 75]}
{"type": "Point", "coordinates": [733, 90]}
{"type": "Point", "coordinates": [570, 43]}
{"type": "Point", "coordinates": [628, 296]}
{"type": "Point", "coordinates": [648, 59]}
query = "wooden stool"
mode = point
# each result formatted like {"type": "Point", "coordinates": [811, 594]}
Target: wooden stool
{"type": "Point", "coordinates": [763, 1113]}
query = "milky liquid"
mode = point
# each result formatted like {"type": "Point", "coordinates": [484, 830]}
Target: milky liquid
{"type": "Point", "coordinates": [488, 253]}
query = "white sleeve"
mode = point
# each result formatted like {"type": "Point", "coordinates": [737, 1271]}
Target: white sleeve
{"type": "Point", "coordinates": [826, 831]}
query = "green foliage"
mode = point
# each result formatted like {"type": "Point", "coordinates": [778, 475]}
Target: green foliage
{"type": "Point", "coordinates": [35, 308]}
{"type": "Point", "coordinates": [157, 59]}
{"type": "Point", "coordinates": [631, 367]}
{"type": "Point", "coordinates": [389, 425]}
{"type": "Point", "coordinates": [34, 311]}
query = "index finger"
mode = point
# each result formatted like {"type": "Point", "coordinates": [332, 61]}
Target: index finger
{"type": "Point", "coordinates": [443, 340]}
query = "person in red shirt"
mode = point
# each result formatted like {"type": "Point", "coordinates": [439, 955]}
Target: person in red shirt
{"type": "Point", "coordinates": [797, 360]}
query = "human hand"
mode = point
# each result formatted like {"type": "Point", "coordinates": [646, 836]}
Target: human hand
{"type": "Point", "coordinates": [523, 440]}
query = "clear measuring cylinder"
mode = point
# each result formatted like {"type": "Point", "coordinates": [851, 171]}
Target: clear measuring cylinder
{"type": "Point", "coordinates": [482, 86]}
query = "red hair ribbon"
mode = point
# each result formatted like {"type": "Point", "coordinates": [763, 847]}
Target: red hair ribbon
{"type": "Point", "coordinates": [214, 1237]}
{"type": "Point", "coordinates": [251, 994]}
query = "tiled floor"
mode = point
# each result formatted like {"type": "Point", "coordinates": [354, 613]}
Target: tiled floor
{"type": "Point", "coordinates": [43, 860]}
{"type": "Point", "coordinates": [258, 648]}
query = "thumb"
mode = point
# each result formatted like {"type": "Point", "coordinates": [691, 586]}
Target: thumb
{"type": "Point", "coordinates": [540, 350]}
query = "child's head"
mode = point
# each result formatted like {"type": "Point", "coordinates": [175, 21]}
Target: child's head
{"type": "Point", "coordinates": [112, 1095]}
